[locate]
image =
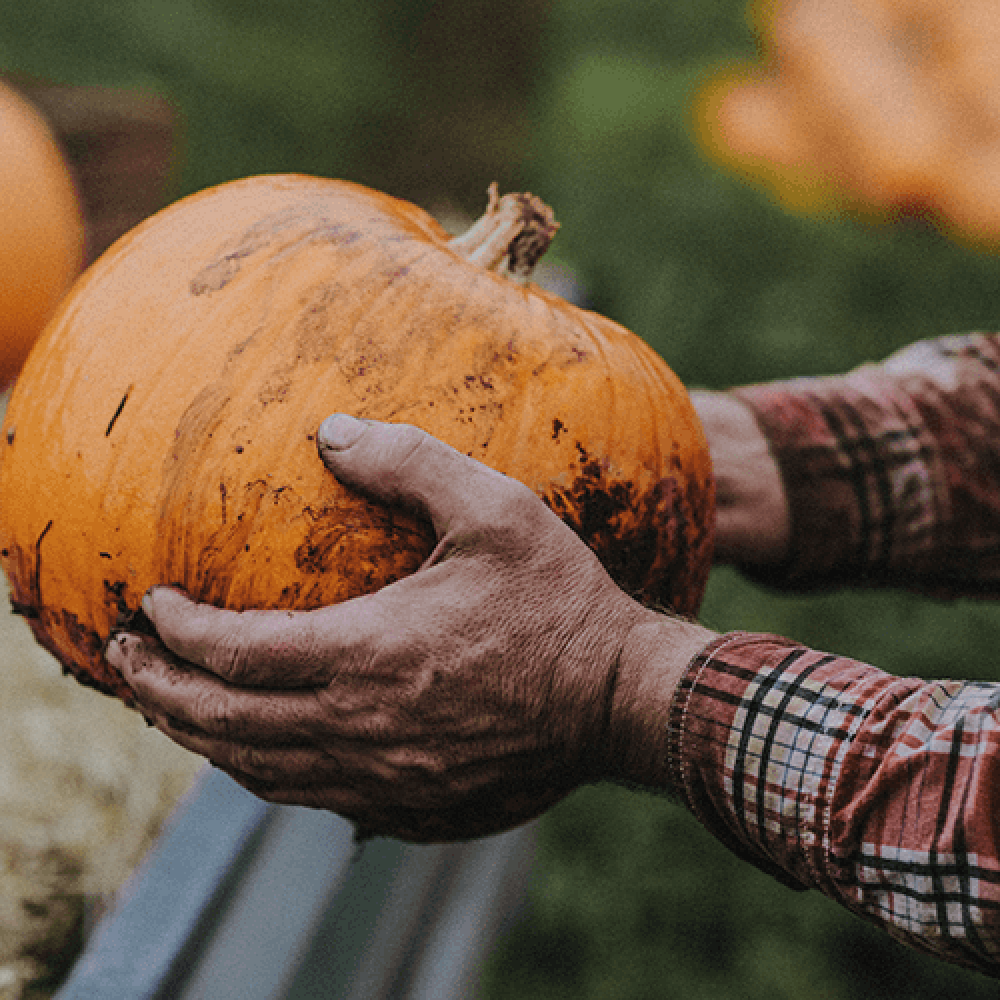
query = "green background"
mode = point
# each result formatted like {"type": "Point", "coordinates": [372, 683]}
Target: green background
{"type": "Point", "coordinates": [586, 103]}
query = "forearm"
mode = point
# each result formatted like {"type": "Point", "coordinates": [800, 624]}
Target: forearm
{"type": "Point", "coordinates": [830, 774]}
{"type": "Point", "coordinates": [891, 472]}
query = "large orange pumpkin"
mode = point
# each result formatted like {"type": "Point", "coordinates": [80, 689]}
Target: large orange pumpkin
{"type": "Point", "coordinates": [41, 229]}
{"type": "Point", "coordinates": [163, 428]}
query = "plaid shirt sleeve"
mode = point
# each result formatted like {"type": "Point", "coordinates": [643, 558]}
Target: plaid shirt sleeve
{"type": "Point", "coordinates": [830, 774]}
{"type": "Point", "coordinates": [892, 472]}
{"type": "Point", "coordinates": [826, 772]}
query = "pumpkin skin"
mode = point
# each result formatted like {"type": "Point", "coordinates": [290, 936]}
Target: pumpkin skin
{"type": "Point", "coordinates": [163, 428]}
{"type": "Point", "coordinates": [41, 229]}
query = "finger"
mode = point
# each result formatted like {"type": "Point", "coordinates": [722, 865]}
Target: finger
{"type": "Point", "coordinates": [275, 649]}
{"type": "Point", "coordinates": [200, 703]}
{"type": "Point", "coordinates": [401, 464]}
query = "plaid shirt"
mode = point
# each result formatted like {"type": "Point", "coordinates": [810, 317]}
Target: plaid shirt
{"type": "Point", "coordinates": [827, 772]}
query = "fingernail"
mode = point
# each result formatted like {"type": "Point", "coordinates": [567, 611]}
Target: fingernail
{"type": "Point", "coordinates": [119, 652]}
{"type": "Point", "coordinates": [339, 432]}
{"type": "Point", "coordinates": [114, 653]}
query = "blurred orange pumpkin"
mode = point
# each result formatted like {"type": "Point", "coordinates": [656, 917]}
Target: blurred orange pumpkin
{"type": "Point", "coordinates": [41, 229]}
{"type": "Point", "coordinates": [163, 429]}
{"type": "Point", "coordinates": [884, 110]}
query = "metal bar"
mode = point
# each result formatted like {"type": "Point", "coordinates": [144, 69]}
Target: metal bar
{"type": "Point", "coordinates": [240, 900]}
{"type": "Point", "coordinates": [269, 917]}
{"type": "Point", "coordinates": [135, 948]}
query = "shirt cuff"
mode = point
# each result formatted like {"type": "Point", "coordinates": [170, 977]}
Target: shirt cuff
{"type": "Point", "coordinates": [758, 729]}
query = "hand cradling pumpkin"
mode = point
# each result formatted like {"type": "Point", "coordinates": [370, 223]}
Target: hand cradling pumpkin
{"type": "Point", "coordinates": [883, 105]}
{"type": "Point", "coordinates": [459, 701]}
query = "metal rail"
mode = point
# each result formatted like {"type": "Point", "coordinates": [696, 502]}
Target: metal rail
{"type": "Point", "coordinates": [241, 900]}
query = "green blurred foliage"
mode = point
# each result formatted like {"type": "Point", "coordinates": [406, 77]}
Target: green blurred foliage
{"type": "Point", "coordinates": [422, 98]}
{"type": "Point", "coordinates": [586, 102]}
{"type": "Point", "coordinates": [727, 287]}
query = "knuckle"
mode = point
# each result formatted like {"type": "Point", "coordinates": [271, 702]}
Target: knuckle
{"type": "Point", "coordinates": [407, 445]}
{"type": "Point", "coordinates": [526, 506]}
{"type": "Point", "coordinates": [384, 725]}
{"type": "Point", "coordinates": [141, 655]}
{"type": "Point", "coordinates": [517, 518]}
{"type": "Point", "coordinates": [409, 437]}
{"type": "Point", "coordinates": [183, 636]}
{"type": "Point", "coordinates": [214, 715]}
{"type": "Point", "coordinates": [227, 656]}
{"type": "Point", "coordinates": [252, 761]}
{"type": "Point", "coordinates": [502, 503]}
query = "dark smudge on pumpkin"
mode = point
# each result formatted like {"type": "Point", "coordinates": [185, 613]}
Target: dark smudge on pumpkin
{"type": "Point", "coordinates": [55, 624]}
{"type": "Point", "coordinates": [54, 627]}
{"type": "Point", "coordinates": [365, 538]}
{"type": "Point", "coordinates": [220, 272]}
{"type": "Point", "coordinates": [643, 540]}
{"type": "Point", "coordinates": [308, 225]}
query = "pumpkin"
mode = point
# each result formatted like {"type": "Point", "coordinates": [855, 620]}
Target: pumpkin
{"type": "Point", "coordinates": [41, 229]}
{"type": "Point", "coordinates": [880, 110]}
{"type": "Point", "coordinates": [744, 122]}
{"type": "Point", "coordinates": [163, 428]}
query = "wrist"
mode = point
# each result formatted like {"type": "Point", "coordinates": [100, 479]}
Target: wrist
{"type": "Point", "coordinates": [654, 659]}
{"type": "Point", "coordinates": [860, 473]}
{"type": "Point", "coordinates": [752, 515]}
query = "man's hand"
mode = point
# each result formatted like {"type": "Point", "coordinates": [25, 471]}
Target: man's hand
{"type": "Point", "coordinates": [459, 701]}
{"type": "Point", "coordinates": [752, 518]}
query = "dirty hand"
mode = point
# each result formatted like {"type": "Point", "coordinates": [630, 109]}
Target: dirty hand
{"type": "Point", "coordinates": [752, 517]}
{"type": "Point", "coordinates": [459, 701]}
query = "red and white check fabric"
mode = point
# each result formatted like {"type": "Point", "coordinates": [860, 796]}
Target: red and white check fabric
{"type": "Point", "coordinates": [882, 792]}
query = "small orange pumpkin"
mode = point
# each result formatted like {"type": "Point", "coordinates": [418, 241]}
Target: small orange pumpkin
{"type": "Point", "coordinates": [163, 429]}
{"type": "Point", "coordinates": [41, 229]}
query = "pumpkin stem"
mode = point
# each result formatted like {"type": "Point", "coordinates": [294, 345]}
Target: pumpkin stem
{"type": "Point", "coordinates": [511, 236]}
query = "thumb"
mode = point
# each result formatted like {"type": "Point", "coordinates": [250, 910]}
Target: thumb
{"type": "Point", "coordinates": [398, 464]}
